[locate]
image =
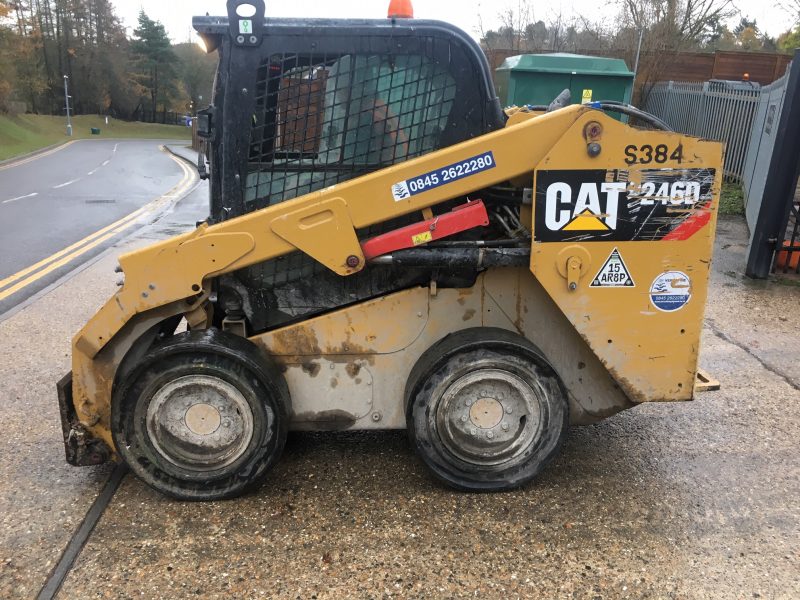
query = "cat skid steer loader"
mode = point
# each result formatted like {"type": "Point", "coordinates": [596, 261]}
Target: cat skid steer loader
{"type": "Point", "coordinates": [387, 248]}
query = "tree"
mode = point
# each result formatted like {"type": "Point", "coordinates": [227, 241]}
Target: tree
{"type": "Point", "coordinates": [195, 69]}
{"type": "Point", "coordinates": [153, 52]}
{"type": "Point", "coordinates": [670, 26]}
{"type": "Point", "coordinates": [745, 23]}
{"type": "Point", "coordinates": [789, 40]}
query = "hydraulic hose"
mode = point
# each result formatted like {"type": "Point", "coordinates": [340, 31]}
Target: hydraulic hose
{"type": "Point", "coordinates": [631, 111]}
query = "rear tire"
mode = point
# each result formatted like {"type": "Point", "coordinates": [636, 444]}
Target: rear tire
{"type": "Point", "coordinates": [202, 416]}
{"type": "Point", "coordinates": [487, 411]}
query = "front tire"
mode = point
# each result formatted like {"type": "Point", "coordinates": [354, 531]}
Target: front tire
{"type": "Point", "coordinates": [487, 416]}
{"type": "Point", "coordinates": [202, 416]}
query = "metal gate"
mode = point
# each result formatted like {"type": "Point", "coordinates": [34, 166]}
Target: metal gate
{"type": "Point", "coordinates": [770, 178]}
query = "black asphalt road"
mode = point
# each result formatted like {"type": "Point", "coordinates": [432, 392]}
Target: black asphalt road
{"type": "Point", "coordinates": [65, 199]}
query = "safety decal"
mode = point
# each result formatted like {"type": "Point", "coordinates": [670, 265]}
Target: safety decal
{"type": "Point", "coordinates": [671, 291]}
{"type": "Point", "coordinates": [620, 205]}
{"type": "Point", "coordinates": [427, 181]}
{"type": "Point", "coordinates": [245, 26]}
{"type": "Point", "coordinates": [613, 273]}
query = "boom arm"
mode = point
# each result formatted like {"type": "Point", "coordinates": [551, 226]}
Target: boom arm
{"type": "Point", "coordinates": [321, 224]}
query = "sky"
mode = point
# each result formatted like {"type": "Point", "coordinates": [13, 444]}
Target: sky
{"type": "Point", "coordinates": [176, 15]}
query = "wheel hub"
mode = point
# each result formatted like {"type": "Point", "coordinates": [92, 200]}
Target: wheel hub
{"type": "Point", "coordinates": [488, 416]}
{"type": "Point", "coordinates": [199, 422]}
{"type": "Point", "coordinates": [486, 413]}
{"type": "Point", "coordinates": [202, 419]}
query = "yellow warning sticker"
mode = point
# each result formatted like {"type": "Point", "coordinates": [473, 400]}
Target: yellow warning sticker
{"type": "Point", "coordinates": [586, 97]}
{"type": "Point", "coordinates": [421, 238]}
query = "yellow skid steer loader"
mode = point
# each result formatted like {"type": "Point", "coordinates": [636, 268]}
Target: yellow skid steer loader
{"type": "Point", "coordinates": [387, 248]}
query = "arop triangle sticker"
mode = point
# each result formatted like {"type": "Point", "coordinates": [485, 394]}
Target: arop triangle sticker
{"type": "Point", "coordinates": [613, 273]}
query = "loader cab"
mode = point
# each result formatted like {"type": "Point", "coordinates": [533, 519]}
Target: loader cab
{"type": "Point", "coordinates": [300, 105]}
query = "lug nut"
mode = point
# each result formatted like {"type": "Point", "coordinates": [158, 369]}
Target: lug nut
{"type": "Point", "coordinates": [464, 418]}
{"type": "Point", "coordinates": [505, 426]}
{"type": "Point", "coordinates": [489, 434]}
{"type": "Point", "coordinates": [509, 410]}
{"type": "Point", "coordinates": [473, 431]}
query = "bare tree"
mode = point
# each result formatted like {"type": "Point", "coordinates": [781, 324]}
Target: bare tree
{"type": "Point", "coordinates": [792, 8]}
{"type": "Point", "coordinates": [667, 27]}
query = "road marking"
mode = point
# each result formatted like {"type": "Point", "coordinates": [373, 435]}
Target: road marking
{"type": "Point", "coordinates": [55, 261]}
{"type": "Point", "coordinates": [23, 161]}
{"type": "Point", "coordinates": [55, 187]}
{"type": "Point", "coordinates": [93, 171]}
{"type": "Point", "coordinates": [105, 163]}
{"type": "Point", "coordinates": [20, 197]}
{"type": "Point", "coordinates": [115, 147]}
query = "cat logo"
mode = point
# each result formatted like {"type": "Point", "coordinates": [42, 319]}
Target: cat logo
{"type": "Point", "coordinates": [592, 208]}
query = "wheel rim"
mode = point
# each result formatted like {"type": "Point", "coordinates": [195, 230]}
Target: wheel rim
{"type": "Point", "coordinates": [199, 422]}
{"type": "Point", "coordinates": [488, 416]}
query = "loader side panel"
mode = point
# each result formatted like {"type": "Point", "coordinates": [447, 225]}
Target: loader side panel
{"type": "Point", "coordinates": [623, 243]}
{"type": "Point", "coordinates": [348, 369]}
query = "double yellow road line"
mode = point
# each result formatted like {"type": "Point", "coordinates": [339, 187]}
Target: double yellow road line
{"type": "Point", "coordinates": [37, 155]}
{"type": "Point", "coordinates": [14, 283]}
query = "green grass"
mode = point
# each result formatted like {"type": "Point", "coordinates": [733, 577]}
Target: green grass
{"type": "Point", "coordinates": [731, 200]}
{"type": "Point", "coordinates": [25, 133]}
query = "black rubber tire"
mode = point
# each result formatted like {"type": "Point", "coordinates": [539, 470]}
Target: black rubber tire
{"type": "Point", "coordinates": [458, 355]}
{"type": "Point", "coordinates": [230, 358]}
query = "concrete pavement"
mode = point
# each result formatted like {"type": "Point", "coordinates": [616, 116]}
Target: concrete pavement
{"type": "Point", "coordinates": [687, 500]}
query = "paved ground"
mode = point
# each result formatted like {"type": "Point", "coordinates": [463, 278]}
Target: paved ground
{"type": "Point", "coordinates": [53, 201]}
{"type": "Point", "coordinates": [687, 500]}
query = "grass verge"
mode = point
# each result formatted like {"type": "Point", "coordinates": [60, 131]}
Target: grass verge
{"type": "Point", "coordinates": [21, 134]}
{"type": "Point", "coordinates": [731, 200]}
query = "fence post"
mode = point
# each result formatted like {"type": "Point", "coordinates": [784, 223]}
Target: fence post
{"type": "Point", "coordinates": [700, 115]}
{"type": "Point", "coordinates": [668, 104]}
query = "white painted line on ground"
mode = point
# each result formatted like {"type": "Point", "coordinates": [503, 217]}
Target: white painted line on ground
{"type": "Point", "coordinates": [55, 187]}
{"type": "Point", "coordinates": [105, 163]}
{"type": "Point", "coordinates": [115, 147]}
{"type": "Point", "coordinates": [93, 171]}
{"type": "Point", "coordinates": [20, 197]}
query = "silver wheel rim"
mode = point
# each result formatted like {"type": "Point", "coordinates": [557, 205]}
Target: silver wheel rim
{"type": "Point", "coordinates": [200, 422]}
{"type": "Point", "coordinates": [488, 417]}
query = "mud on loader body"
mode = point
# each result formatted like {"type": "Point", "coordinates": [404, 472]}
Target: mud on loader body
{"type": "Point", "coordinates": [387, 249]}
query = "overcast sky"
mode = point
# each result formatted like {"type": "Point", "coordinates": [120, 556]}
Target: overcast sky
{"type": "Point", "coordinates": [176, 15]}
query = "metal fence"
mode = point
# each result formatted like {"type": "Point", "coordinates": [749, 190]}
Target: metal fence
{"type": "Point", "coordinates": [716, 110]}
{"type": "Point", "coordinates": [163, 117]}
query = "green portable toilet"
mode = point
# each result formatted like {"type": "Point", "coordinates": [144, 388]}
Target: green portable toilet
{"type": "Point", "coordinates": [539, 78]}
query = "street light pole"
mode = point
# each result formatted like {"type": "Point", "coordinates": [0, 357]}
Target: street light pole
{"type": "Point", "coordinates": [66, 100]}
{"type": "Point", "coordinates": [638, 51]}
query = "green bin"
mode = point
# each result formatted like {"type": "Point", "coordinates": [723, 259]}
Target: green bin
{"type": "Point", "coordinates": [539, 78]}
{"type": "Point", "coordinates": [95, 131]}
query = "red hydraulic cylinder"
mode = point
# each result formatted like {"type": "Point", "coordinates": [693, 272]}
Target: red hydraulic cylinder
{"type": "Point", "coordinates": [461, 218]}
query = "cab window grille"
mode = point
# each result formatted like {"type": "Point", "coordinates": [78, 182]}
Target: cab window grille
{"type": "Point", "coordinates": [320, 120]}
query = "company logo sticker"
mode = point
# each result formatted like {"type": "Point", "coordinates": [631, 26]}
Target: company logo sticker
{"type": "Point", "coordinates": [427, 181]}
{"type": "Point", "coordinates": [607, 205]}
{"type": "Point", "coordinates": [671, 291]}
{"type": "Point", "coordinates": [613, 273]}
